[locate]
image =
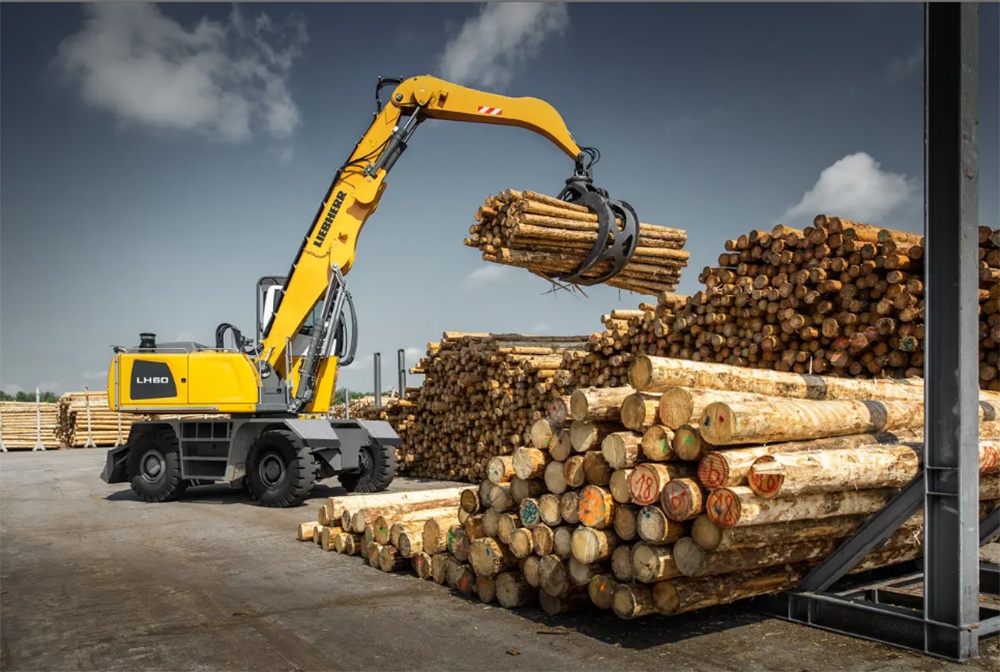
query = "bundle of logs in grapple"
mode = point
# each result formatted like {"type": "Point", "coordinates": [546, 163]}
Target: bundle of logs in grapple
{"type": "Point", "coordinates": [19, 424]}
{"type": "Point", "coordinates": [697, 484]}
{"type": "Point", "coordinates": [838, 298]}
{"type": "Point", "coordinates": [551, 237]}
{"type": "Point", "coordinates": [479, 393]}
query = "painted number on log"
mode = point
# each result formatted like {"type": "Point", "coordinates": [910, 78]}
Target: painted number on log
{"type": "Point", "coordinates": [493, 111]}
{"type": "Point", "coordinates": [766, 484]}
{"type": "Point", "coordinates": [643, 487]}
{"type": "Point", "coordinates": [726, 508]}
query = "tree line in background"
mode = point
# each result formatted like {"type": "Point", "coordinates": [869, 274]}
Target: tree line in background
{"type": "Point", "coordinates": [52, 397]}
{"type": "Point", "coordinates": [338, 397]}
{"type": "Point", "coordinates": [49, 397]}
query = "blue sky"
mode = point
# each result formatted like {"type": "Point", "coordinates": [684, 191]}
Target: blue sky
{"type": "Point", "coordinates": [158, 159]}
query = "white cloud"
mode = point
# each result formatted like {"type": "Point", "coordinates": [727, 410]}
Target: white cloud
{"type": "Point", "coordinates": [94, 375]}
{"type": "Point", "coordinates": [540, 328]}
{"type": "Point", "coordinates": [285, 155]}
{"type": "Point", "coordinates": [856, 188]}
{"type": "Point", "coordinates": [11, 388]}
{"type": "Point", "coordinates": [488, 274]}
{"type": "Point", "coordinates": [220, 79]}
{"type": "Point", "coordinates": [489, 48]}
{"type": "Point", "coordinates": [900, 68]}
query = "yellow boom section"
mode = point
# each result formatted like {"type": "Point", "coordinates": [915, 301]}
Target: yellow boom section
{"type": "Point", "coordinates": [357, 188]}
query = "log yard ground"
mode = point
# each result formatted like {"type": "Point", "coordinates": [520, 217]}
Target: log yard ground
{"type": "Point", "coordinates": [94, 579]}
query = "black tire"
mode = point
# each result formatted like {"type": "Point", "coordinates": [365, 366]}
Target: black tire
{"type": "Point", "coordinates": [154, 466]}
{"type": "Point", "coordinates": [281, 470]}
{"type": "Point", "coordinates": [378, 468]}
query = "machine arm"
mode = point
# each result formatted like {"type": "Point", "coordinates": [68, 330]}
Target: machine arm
{"type": "Point", "coordinates": [358, 185]}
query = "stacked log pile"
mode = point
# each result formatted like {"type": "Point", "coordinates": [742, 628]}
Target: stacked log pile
{"type": "Point", "coordinates": [19, 424]}
{"type": "Point", "coordinates": [694, 485]}
{"type": "Point", "coordinates": [390, 525]}
{"type": "Point", "coordinates": [550, 237]}
{"type": "Point", "coordinates": [838, 298]}
{"type": "Point", "coordinates": [72, 424]}
{"type": "Point", "coordinates": [480, 391]}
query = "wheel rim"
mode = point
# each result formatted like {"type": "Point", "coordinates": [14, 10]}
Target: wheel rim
{"type": "Point", "coordinates": [271, 469]}
{"type": "Point", "coordinates": [365, 461]}
{"type": "Point", "coordinates": [152, 466]}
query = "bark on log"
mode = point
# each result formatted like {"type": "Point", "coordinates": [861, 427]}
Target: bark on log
{"type": "Point", "coordinates": [685, 405]}
{"type": "Point", "coordinates": [729, 467]}
{"type": "Point", "coordinates": [739, 506]}
{"type": "Point", "coordinates": [734, 423]}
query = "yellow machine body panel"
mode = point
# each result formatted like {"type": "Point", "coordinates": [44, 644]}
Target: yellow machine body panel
{"type": "Point", "coordinates": [197, 382]}
{"type": "Point", "coordinates": [224, 379]}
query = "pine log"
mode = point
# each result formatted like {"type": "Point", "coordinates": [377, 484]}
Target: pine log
{"type": "Point", "coordinates": [730, 467]}
{"type": "Point", "coordinates": [601, 590]}
{"type": "Point", "coordinates": [684, 405]}
{"type": "Point", "coordinates": [554, 605]}
{"type": "Point", "coordinates": [679, 595]}
{"type": "Point", "coordinates": [656, 374]}
{"type": "Point", "coordinates": [691, 560]}
{"type": "Point", "coordinates": [653, 563]}
{"type": "Point", "coordinates": [739, 505]}
{"type": "Point", "coordinates": [633, 601]}
{"type": "Point", "coordinates": [626, 522]}
{"type": "Point", "coordinates": [657, 443]}
{"type": "Point", "coordinates": [490, 557]}
{"type": "Point", "coordinates": [542, 539]}
{"type": "Point", "coordinates": [621, 449]}
{"type": "Point", "coordinates": [513, 590]}
{"type": "Point", "coordinates": [648, 480]}
{"type": "Point", "coordinates": [598, 404]}
{"type": "Point", "coordinates": [597, 507]}
{"type": "Point", "coordinates": [621, 563]}
{"type": "Point", "coordinates": [639, 410]}
{"type": "Point", "coordinates": [569, 507]}
{"type": "Point", "coordinates": [590, 545]}
{"type": "Point", "coordinates": [521, 543]}
{"type": "Point", "coordinates": [618, 485]}
{"type": "Point", "coordinates": [500, 469]}
{"type": "Point", "coordinates": [655, 528]}
{"type": "Point", "coordinates": [682, 499]}
{"type": "Point", "coordinates": [734, 423]}
{"type": "Point", "coordinates": [529, 569]}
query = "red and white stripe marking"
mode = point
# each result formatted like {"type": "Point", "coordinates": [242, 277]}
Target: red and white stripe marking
{"type": "Point", "coordinates": [495, 111]}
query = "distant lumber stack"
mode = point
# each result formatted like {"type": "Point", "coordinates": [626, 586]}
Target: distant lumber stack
{"type": "Point", "coordinates": [19, 424]}
{"type": "Point", "coordinates": [550, 237]}
{"type": "Point", "coordinates": [73, 430]}
{"type": "Point", "coordinates": [480, 392]}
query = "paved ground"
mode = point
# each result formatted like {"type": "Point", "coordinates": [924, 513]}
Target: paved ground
{"type": "Point", "coordinates": [90, 578]}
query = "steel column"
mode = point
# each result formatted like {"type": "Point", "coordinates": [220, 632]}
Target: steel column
{"type": "Point", "coordinates": [378, 380]}
{"type": "Point", "coordinates": [948, 620]}
{"type": "Point", "coordinates": [951, 429]}
{"type": "Point", "coordinates": [401, 363]}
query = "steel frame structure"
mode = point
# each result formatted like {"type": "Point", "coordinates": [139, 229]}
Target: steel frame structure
{"type": "Point", "coordinates": [948, 620]}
